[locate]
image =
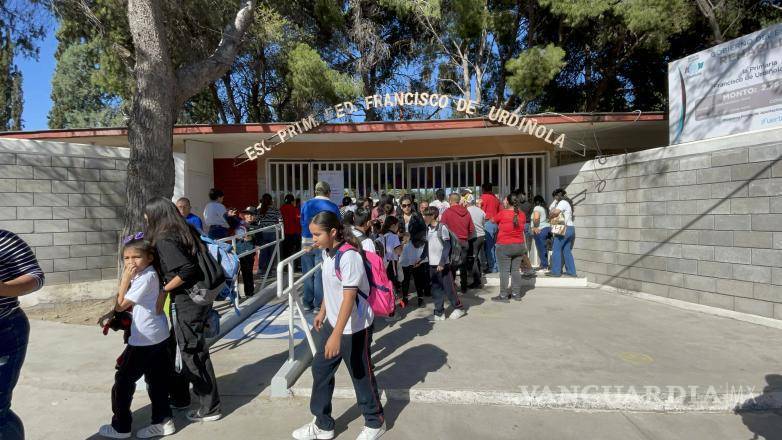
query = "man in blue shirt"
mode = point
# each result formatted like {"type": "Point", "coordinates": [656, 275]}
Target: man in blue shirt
{"type": "Point", "coordinates": [183, 205]}
{"type": "Point", "coordinates": [313, 286]}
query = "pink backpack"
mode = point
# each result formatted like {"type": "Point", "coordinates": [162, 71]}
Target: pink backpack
{"type": "Point", "coordinates": [381, 291]}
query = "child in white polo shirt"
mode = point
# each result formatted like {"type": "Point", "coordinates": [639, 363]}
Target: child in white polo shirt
{"type": "Point", "coordinates": [343, 332]}
{"type": "Point", "coordinates": [147, 353]}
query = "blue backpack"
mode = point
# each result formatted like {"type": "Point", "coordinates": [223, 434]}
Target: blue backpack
{"type": "Point", "coordinates": [223, 254]}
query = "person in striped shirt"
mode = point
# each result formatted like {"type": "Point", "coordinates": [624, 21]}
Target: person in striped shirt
{"type": "Point", "coordinates": [19, 275]}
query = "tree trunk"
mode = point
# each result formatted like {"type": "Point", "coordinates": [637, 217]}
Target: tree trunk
{"type": "Point", "coordinates": [160, 93]}
{"type": "Point", "coordinates": [151, 125]}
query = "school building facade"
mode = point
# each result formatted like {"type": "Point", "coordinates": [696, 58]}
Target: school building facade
{"type": "Point", "coordinates": [699, 221]}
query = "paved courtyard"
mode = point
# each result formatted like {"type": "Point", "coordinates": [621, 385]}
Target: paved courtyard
{"type": "Point", "coordinates": [561, 364]}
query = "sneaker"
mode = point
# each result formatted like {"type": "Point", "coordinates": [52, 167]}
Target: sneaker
{"type": "Point", "coordinates": [552, 274]}
{"type": "Point", "coordinates": [108, 431]}
{"type": "Point", "coordinates": [501, 298]}
{"type": "Point", "coordinates": [517, 297]}
{"type": "Point", "coordinates": [308, 308]}
{"type": "Point", "coordinates": [571, 276]}
{"type": "Point", "coordinates": [371, 433]}
{"type": "Point", "coordinates": [435, 318]}
{"type": "Point", "coordinates": [310, 431]}
{"type": "Point", "coordinates": [456, 314]}
{"type": "Point", "coordinates": [420, 302]}
{"type": "Point", "coordinates": [195, 416]}
{"type": "Point", "coordinates": [157, 430]}
{"type": "Point", "coordinates": [316, 310]}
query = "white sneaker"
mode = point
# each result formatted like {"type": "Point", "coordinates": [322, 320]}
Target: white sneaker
{"type": "Point", "coordinates": [371, 433]}
{"type": "Point", "coordinates": [194, 416]}
{"type": "Point", "coordinates": [310, 431]}
{"type": "Point", "coordinates": [108, 431]}
{"type": "Point", "coordinates": [456, 314]}
{"type": "Point", "coordinates": [435, 318]}
{"type": "Point", "coordinates": [157, 430]}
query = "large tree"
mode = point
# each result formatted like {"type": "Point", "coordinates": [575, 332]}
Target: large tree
{"type": "Point", "coordinates": [161, 89]}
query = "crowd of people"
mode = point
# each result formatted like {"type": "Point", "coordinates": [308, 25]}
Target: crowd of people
{"type": "Point", "coordinates": [422, 244]}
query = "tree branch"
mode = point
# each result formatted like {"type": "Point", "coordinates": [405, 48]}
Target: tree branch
{"type": "Point", "coordinates": [193, 77]}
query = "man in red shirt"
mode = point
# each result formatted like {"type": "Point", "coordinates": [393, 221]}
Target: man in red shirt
{"type": "Point", "coordinates": [458, 220]}
{"type": "Point", "coordinates": [491, 206]}
{"type": "Point", "coordinates": [291, 223]}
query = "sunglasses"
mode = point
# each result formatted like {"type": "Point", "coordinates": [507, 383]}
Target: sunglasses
{"type": "Point", "coordinates": [136, 236]}
{"type": "Point", "coordinates": [406, 205]}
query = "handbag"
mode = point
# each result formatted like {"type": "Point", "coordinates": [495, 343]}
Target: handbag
{"type": "Point", "coordinates": [558, 226]}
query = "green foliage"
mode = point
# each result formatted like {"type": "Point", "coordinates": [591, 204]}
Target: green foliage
{"type": "Point", "coordinates": [313, 81]}
{"type": "Point", "coordinates": [533, 69]}
{"type": "Point", "coordinates": [470, 18]}
{"type": "Point", "coordinates": [576, 12]}
{"type": "Point", "coordinates": [77, 101]}
{"type": "Point", "coordinates": [11, 99]}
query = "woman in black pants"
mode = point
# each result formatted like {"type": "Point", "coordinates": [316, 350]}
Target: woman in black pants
{"type": "Point", "coordinates": [178, 245]}
{"type": "Point", "coordinates": [19, 275]}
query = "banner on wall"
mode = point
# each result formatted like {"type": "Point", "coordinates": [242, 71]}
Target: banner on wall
{"type": "Point", "coordinates": [336, 180]}
{"type": "Point", "coordinates": [734, 87]}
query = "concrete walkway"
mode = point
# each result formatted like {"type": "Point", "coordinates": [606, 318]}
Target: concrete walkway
{"type": "Point", "coordinates": [538, 369]}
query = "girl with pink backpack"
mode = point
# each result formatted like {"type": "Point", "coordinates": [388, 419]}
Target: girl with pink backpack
{"type": "Point", "coordinates": [354, 291]}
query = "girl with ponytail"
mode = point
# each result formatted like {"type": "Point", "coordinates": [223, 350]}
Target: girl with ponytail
{"type": "Point", "coordinates": [510, 247]}
{"type": "Point", "coordinates": [343, 331]}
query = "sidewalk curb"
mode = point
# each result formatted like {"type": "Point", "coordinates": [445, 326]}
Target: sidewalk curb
{"type": "Point", "coordinates": [684, 305]}
{"type": "Point", "coordinates": [636, 402]}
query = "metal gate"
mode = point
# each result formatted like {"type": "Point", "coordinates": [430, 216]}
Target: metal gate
{"type": "Point", "coordinates": [364, 178]}
{"type": "Point", "coordinates": [361, 178]}
{"type": "Point", "coordinates": [527, 172]}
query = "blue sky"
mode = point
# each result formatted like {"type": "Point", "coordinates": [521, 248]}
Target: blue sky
{"type": "Point", "coordinates": [37, 85]}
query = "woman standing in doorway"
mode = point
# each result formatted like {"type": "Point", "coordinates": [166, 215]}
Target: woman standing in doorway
{"type": "Point", "coordinates": [540, 230]}
{"type": "Point", "coordinates": [562, 248]}
{"type": "Point", "coordinates": [510, 247]}
{"type": "Point", "coordinates": [178, 246]}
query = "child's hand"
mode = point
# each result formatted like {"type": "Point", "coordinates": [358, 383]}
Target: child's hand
{"type": "Point", "coordinates": [318, 321]}
{"type": "Point", "coordinates": [128, 273]}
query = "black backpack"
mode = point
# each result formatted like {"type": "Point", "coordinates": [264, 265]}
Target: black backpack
{"type": "Point", "coordinates": [206, 290]}
{"type": "Point", "coordinates": [458, 247]}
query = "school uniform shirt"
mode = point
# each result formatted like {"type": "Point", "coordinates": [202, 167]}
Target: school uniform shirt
{"type": "Point", "coordinates": [351, 267]}
{"type": "Point", "coordinates": [214, 215]}
{"type": "Point", "coordinates": [366, 244]}
{"type": "Point", "coordinates": [411, 254]}
{"type": "Point", "coordinates": [435, 254]}
{"type": "Point", "coordinates": [391, 242]}
{"type": "Point", "coordinates": [147, 327]}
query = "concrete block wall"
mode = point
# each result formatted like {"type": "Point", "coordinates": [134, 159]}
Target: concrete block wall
{"type": "Point", "coordinates": [66, 201]}
{"type": "Point", "coordinates": [699, 222]}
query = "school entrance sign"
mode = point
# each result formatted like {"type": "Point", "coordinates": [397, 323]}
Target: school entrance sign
{"type": "Point", "coordinates": [404, 99]}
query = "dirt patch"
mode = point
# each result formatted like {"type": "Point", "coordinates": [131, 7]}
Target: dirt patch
{"type": "Point", "coordinates": [77, 312]}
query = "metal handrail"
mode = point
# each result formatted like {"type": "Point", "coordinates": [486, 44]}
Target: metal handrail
{"type": "Point", "coordinates": [279, 235]}
{"type": "Point", "coordinates": [294, 300]}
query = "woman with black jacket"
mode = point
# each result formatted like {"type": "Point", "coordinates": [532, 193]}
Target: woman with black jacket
{"type": "Point", "coordinates": [177, 245]}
